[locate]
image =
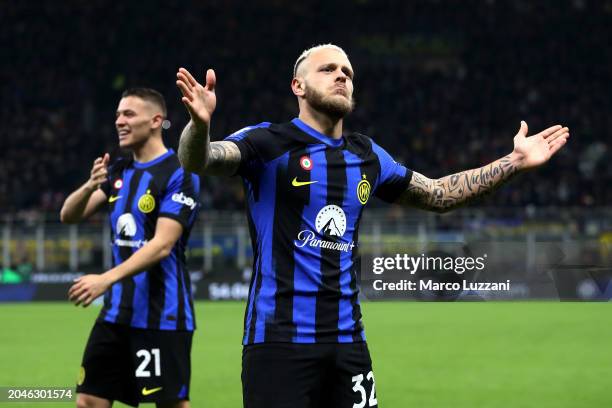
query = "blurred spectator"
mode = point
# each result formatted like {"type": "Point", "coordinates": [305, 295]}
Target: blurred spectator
{"type": "Point", "coordinates": [442, 88]}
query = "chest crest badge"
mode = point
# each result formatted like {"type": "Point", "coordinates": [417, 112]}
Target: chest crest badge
{"type": "Point", "coordinates": [363, 190]}
{"type": "Point", "coordinates": [146, 202]}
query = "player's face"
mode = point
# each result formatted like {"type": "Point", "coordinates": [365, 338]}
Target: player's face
{"type": "Point", "coordinates": [329, 82]}
{"type": "Point", "coordinates": [134, 121]}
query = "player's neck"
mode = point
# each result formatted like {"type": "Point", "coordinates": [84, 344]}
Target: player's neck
{"type": "Point", "coordinates": [322, 123]}
{"type": "Point", "coordinates": [152, 149]}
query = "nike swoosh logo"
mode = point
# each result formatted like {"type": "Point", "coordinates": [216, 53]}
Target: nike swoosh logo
{"type": "Point", "coordinates": [146, 392]}
{"type": "Point", "coordinates": [296, 183]}
{"type": "Point", "coordinates": [112, 199]}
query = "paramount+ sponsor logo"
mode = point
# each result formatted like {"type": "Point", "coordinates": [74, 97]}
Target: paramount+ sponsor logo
{"type": "Point", "coordinates": [184, 200]}
{"type": "Point", "coordinates": [330, 225]}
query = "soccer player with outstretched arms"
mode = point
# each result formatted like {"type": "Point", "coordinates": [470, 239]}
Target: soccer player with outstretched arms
{"type": "Point", "coordinates": [306, 185]}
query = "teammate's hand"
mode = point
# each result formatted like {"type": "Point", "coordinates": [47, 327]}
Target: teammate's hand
{"type": "Point", "coordinates": [87, 288]}
{"type": "Point", "coordinates": [535, 150]}
{"type": "Point", "coordinates": [199, 100]}
{"type": "Point", "coordinates": [99, 171]}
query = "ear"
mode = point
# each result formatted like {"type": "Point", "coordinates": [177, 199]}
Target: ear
{"type": "Point", "coordinates": [156, 121]}
{"type": "Point", "coordinates": [298, 86]}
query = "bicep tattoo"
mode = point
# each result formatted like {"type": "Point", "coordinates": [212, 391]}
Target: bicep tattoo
{"type": "Point", "coordinates": [223, 159]}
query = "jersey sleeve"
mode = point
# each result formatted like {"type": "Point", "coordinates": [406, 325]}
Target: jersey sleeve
{"type": "Point", "coordinates": [394, 178]}
{"type": "Point", "coordinates": [180, 200]}
{"type": "Point", "coordinates": [252, 145]}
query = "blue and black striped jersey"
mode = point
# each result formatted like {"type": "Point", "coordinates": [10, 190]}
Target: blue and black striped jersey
{"type": "Point", "coordinates": [305, 195]}
{"type": "Point", "coordinates": [138, 194]}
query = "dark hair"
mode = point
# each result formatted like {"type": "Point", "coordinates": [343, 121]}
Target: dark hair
{"type": "Point", "coordinates": [148, 94]}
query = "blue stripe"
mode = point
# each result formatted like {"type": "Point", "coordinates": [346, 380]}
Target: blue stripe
{"type": "Point", "coordinates": [241, 134]}
{"type": "Point", "coordinates": [256, 263]}
{"type": "Point", "coordinates": [390, 170]}
{"type": "Point", "coordinates": [168, 266]}
{"type": "Point", "coordinates": [175, 183]}
{"type": "Point", "coordinates": [140, 303]}
{"type": "Point", "coordinates": [196, 196]}
{"type": "Point", "coordinates": [265, 213]}
{"type": "Point", "coordinates": [307, 273]}
{"type": "Point", "coordinates": [119, 209]}
{"type": "Point", "coordinates": [186, 297]}
{"type": "Point", "coordinates": [117, 289]}
{"type": "Point", "coordinates": [352, 206]}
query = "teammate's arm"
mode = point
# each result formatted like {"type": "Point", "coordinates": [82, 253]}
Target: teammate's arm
{"type": "Point", "coordinates": [88, 287]}
{"type": "Point", "coordinates": [449, 192]}
{"type": "Point", "coordinates": [88, 198]}
{"type": "Point", "coordinates": [196, 153]}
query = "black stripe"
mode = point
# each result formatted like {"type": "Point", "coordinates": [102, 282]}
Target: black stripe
{"type": "Point", "coordinates": [370, 166]}
{"type": "Point", "coordinates": [256, 260]}
{"type": "Point", "coordinates": [256, 281]}
{"type": "Point", "coordinates": [328, 297]}
{"type": "Point", "coordinates": [108, 296]}
{"type": "Point", "coordinates": [156, 296]}
{"type": "Point", "coordinates": [150, 222]}
{"type": "Point", "coordinates": [126, 309]}
{"type": "Point", "coordinates": [181, 324]}
{"type": "Point", "coordinates": [187, 280]}
{"type": "Point", "coordinates": [181, 264]}
{"type": "Point", "coordinates": [288, 208]}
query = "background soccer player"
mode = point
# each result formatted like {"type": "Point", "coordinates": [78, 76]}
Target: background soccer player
{"type": "Point", "coordinates": [307, 185]}
{"type": "Point", "coordinates": [139, 348]}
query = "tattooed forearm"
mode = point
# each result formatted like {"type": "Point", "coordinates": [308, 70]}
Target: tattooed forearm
{"type": "Point", "coordinates": [197, 154]}
{"type": "Point", "coordinates": [458, 189]}
{"type": "Point", "coordinates": [193, 148]}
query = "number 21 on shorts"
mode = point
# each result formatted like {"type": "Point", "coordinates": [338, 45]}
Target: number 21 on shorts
{"type": "Point", "coordinates": [143, 369]}
{"type": "Point", "coordinates": [358, 387]}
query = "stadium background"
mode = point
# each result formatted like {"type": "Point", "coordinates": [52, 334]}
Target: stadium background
{"type": "Point", "coordinates": [441, 85]}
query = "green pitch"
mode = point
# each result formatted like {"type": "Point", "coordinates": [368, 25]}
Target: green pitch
{"type": "Point", "coordinates": [479, 354]}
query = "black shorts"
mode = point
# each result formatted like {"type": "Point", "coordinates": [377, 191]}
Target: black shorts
{"type": "Point", "coordinates": [131, 365]}
{"type": "Point", "coordinates": [286, 375]}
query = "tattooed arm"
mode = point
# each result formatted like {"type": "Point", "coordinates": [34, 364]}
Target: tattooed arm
{"type": "Point", "coordinates": [449, 192]}
{"type": "Point", "coordinates": [196, 153]}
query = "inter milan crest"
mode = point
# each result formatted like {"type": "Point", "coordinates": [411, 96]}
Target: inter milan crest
{"type": "Point", "coordinates": [146, 203]}
{"type": "Point", "coordinates": [363, 190]}
{"type": "Point", "coordinates": [306, 163]}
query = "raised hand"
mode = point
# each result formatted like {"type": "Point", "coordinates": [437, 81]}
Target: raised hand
{"type": "Point", "coordinates": [536, 150]}
{"type": "Point", "coordinates": [199, 100]}
{"type": "Point", "coordinates": [99, 171]}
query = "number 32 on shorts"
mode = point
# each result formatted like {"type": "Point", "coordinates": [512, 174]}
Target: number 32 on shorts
{"type": "Point", "coordinates": [358, 387]}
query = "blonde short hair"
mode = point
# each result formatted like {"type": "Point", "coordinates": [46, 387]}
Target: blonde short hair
{"type": "Point", "coordinates": [306, 53]}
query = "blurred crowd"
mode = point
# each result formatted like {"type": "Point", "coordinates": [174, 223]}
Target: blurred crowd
{"type": "Point", "coordinates": [441, 85]}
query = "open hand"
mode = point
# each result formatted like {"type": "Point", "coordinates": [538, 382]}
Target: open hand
{"type": "Point", "coordinates": [199, 100]}
{"type": "Point", "coordinates": [99, 172]}
{"type": "Point", "coordinates": [87, 288]}
{"type": "Point", "coordinates": [536, 150]}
